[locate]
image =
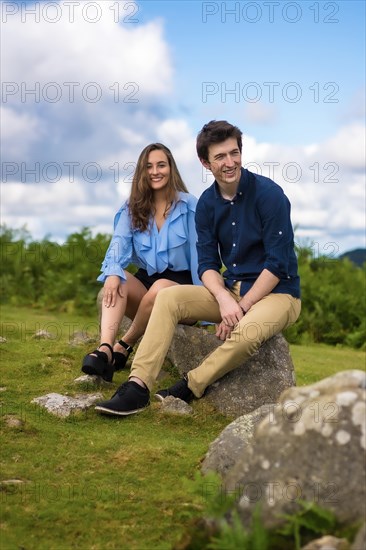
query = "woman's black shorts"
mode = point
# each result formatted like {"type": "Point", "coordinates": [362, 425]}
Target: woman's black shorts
{"type": "Point", "coordinates": [181, 277]}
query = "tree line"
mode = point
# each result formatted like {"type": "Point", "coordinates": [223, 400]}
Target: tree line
{"type": "Point", "coordinates": [62, 277]}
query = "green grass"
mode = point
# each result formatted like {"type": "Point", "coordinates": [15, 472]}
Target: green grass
{"type": "Point", "coordinates": [94, 482]}
{"type": "Point", "coordinates": [318, 361]}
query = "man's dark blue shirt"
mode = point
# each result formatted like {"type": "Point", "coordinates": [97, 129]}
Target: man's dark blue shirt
{"type": "Point", "coordinates": [247, 234]}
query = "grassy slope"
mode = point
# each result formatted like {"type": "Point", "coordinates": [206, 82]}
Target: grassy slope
{"type": "Point", "coordinates": [94, 482]}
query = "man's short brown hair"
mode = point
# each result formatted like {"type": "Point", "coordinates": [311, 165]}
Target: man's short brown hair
{"type": "Point", "coordinates": [216, 131]}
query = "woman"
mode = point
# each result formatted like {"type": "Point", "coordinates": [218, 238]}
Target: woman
{"type": "Point", "coordinates": [155, 231]}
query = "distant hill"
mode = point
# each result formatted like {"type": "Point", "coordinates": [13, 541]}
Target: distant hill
{"type": "Point", "coordinates": [357, 256]}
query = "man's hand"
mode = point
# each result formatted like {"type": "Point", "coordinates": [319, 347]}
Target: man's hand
{"type": "Point", "coordinates": [230, 310]}
{"type": "Point", "coordinates": [112, 287]}
{"type": "Point", "coordinates": [223, 331]}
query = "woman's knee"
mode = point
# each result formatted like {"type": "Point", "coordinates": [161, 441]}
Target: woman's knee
{"type": "Point", "coordinates": [168, 296]}
{"type": "Point", "coordinates": [156, 288]}
{"type": "Point", "coordinates": [149, 299]}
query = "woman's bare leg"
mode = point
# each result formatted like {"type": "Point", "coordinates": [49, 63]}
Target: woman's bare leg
{"type": "Point", "coordinates": [142, 315]}
{"type": "Point", "coordinates": [112, 316]}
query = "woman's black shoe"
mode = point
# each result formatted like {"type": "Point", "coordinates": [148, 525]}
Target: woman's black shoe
{"type": "Point", "coordinates": [120, 359]}
{"type": "Point", "coordinates": [97, 363]}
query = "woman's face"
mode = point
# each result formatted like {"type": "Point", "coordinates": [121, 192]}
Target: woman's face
{"type": "Point", "coordinates": [158, 169]}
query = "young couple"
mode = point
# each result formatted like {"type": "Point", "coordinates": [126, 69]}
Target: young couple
{"type": "Point", "coordinates": [179, 244]}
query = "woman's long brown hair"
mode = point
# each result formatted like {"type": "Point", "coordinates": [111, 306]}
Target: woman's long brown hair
{"type": "Point", "coordinates": [141, 202]}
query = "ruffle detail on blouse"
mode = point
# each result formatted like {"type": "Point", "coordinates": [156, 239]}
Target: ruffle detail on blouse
{"type": "Point", "coordinates": [174, 233]}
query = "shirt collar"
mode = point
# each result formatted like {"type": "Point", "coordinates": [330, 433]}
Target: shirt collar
{"type": "Point", "coordinates": [241, 187]}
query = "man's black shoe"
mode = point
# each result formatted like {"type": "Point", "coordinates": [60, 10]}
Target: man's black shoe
{"type": "Point", "coordinates": [180, 390]}
{"type": "Point", "coordinates": [130, 398]}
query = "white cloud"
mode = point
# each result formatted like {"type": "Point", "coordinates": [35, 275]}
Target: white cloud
{"type": "Point", "coordinates": [177, 135]}
{"type": "Point", "coordinates": [19, 132]}
{"type": "Point", "coordinates": [73, 49]}
{"type": "Point", "coordinates": [59, 208]}
{"type": "Point", "coordinates": [81, 90]}
{"type": "Point", "coordinates": [347, 147]}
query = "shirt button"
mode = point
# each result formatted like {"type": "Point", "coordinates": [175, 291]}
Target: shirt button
{"type": "Point", "coordinates": [234, 265]}
{"type": "Point", "coordinates": [280, 232]}
{"type": "Point", "coordinates": [232, 223]}
{"type": "Point", "coordinates": [231, 202]}
{"type": "Point", "coordinates": [240, 193]}
{"type": "Point", "coordinates": [234, 244]}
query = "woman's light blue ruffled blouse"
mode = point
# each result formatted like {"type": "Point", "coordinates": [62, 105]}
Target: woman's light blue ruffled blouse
{"type": "Point", "coordinates": [173, 247]}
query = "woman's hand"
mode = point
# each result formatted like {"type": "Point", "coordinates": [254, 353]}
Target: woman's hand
{"type": "Point", "coordinates": [112, 287]}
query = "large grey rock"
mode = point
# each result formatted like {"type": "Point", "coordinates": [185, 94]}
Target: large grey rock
{"type": "Point", "coordinates": [310, 447]}
{"type": "Point", "coordinates": [360, 540]}
{"type": "Point", "coordinates": [227, 448]}
{"type": "Point", "coordinates": [259, 380]}
{"type": "Point", "coordinates": [63, 405]}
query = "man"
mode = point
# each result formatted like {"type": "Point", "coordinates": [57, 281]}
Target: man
{"type": "Point", "coordinates": [242, 222]}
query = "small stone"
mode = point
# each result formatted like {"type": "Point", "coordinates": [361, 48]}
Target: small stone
{"type": "Point", "coordinates": [92, 380]}
{"type": "Point", "coordinates": [2, 340]}
{"type": "Point", "coordinates": [13, 421]}
{"type": "Point", "coordinates": [62, 405]}
{"type": "Point", "coordinates": [43, 335]}
{"type": "Point", "coordinates": [80, 337]}
{"type": "Point", "coordinates": [7, 484]}
{"type": "Point", "coordinates": [173, 405]}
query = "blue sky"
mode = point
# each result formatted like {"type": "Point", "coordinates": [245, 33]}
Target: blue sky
{"type": "Point", "coordinates": [228, 50]}
{"type": "Point", "coordinates": [289, 74]}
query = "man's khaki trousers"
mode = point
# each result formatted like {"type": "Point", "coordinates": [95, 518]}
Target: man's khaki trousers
{"type": "Point", "coordinates": [268, 317]}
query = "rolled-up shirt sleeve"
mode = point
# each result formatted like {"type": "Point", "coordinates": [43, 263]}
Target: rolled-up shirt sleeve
{"type": "Point", "coordinates": [119, 253]}
{"type": "Point", "coordinates": [278, 238]}
{"type": "Point", "coordinates": [207, 244]}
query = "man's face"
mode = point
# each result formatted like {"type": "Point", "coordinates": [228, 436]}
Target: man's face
{"type": "Point", "coordinates": [224, 161]}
